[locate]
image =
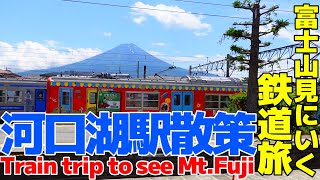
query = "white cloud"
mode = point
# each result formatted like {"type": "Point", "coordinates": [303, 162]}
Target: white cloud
{"type": "Point", "coordinates": [172, 19]}
{"type": "Point", "coordinates": [52, 43]}
{"type": "Point", "coordinates": [200, 56]}
{"type": "Point", "coordinates": [107, 34]}
{"type": "Point", "coordinates": [290, 33]}
{"type": "Point", "coordinates": [185, 61]}
{"type": "Point", "coordinates": [139, 20]}
{"type": "Point", "coordinates": [155, 53]}
{"type": "Point", "coordinates": [195, 60]}
{"type": "Point", "coordinates": [287, 33]}
{"type": "Point", "coordinates": [201, 33]}
{"type": "Point", "coordinates": [161, 44]}
{"type": "Point", "coordinates": [29, 55]}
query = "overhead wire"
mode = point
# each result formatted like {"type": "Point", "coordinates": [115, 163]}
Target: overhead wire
{"type": "Point", "coordinates": [152, 9]}
{"type": "Point", "coordinates": [226, 5]}
{"type": "Point", "coordinates": [218, 4]}
{"type": "Point", "coordinates": [205, 3]}
{"type": "Point", "coordinates": [155, 9]}
{"type": "Point", "coordinates": [172, 11]}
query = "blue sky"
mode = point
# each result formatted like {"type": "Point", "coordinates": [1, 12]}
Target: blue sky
{"type": "Point", "coordinates": [54, 32]}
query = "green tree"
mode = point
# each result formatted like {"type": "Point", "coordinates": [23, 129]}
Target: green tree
{"type": "Point", "coordinates": [245, 79]}
{"type": "Point", "coordinates": [238, 103]}
{"type": "Point", "coordinates": [249, 58]}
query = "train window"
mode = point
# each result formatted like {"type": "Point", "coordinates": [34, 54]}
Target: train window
{"type": "Point", "coordinates": [151, 100]}
{"type": "Point", "coordinates": [142, 100]}
{"type": "Point", "coordinates": [150, 104]}
{"type": "Point", "coordinates": [65, 98]}
{"type": "Point", "coordinates": [14, 96]}
{"type": "Point", "coordinates": [40, 96]}
{"type": "Point", "coordinates": [187, 99]}
{"type": "Point", "coordinates": [133, 96]}
{"type": "Point", "coordinates": [212, 105]}
{"type": "Point", "coordinates": [224, 105]}
{"type": "Point", "coordinates": [2, 93]}
{"type": "Point", "coordinates": [150, 96]}
{"type": "Point", "coordinates": [216, 101]}
{"type": "Point", "coordinates": [224, 98]}
{"type": "Point", "coordinates": [133, 100]}
{"type": "Point", "coordinates": [212, 97]}
{"type": "Point", "coordinates": [93, 98]}
{"type": "Point", "coordinates": [224, 101]}
{"type": "Point", "coordinates": [133, 104]}
{"type": "Point", "coordinates": [2, 96]}
{"type": "Point", "coordinates": [176, 99]}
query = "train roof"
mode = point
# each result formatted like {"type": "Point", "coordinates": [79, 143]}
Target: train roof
{"type": "Point", "coordinates": [23, 80]}
{"type": "Point", "coordinates": [194, 80]}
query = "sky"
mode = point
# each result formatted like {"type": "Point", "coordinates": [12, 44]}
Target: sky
{"type": "Point", "coordinates": [38, 34]}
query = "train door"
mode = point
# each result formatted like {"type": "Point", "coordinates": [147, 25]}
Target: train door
{"type": "Point", "coordinates": [65, 100]}
{"type": "Point", "coordinates": [182, 101]}
{"type": "Point", "coordinates": [92, 100]}
{"type": "Point", "coordinates": [40, 100]}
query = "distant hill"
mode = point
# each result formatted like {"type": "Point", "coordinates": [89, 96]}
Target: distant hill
{"type": "Point", "coordinates": [121, 59]}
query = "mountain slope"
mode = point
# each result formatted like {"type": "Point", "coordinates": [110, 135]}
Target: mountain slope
{"type": "Point", "coordinates": [121, 59]}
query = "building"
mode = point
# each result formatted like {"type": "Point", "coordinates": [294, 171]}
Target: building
{"type": "Point", "coordinates": [8, 74]}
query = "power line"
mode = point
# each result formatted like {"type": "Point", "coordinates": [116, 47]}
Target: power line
{"type": "Point", "coordinates": [205, 3]}
{"type": "Point", "coordinates": [225, 5]}
{"type": "Point", "coordinates": [152, 9]}
{"type": "Point", "coordinates": [218, 4]}
{"type": "Point", "coordinates": [172, 11]}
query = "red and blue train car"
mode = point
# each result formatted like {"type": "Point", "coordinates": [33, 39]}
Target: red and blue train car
{"type": "Point", "coordinates": [81, 95]}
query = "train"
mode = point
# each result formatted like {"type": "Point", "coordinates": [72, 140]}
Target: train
{"type": "Point", "coordinates": [190, 93]}
{"type": "Point", "coordinates": [23, 95]}
{"type": "Point", "coordinates": [85, 94]}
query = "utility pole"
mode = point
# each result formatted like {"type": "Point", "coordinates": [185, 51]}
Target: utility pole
{"type": "Point", "coordinates": [252, 103]}
{"type": "Point", "coordinates": [228, 66]}
{"type": "Point", "coordinates": [144, 71]}
{"type": "Point", "coordinates": [138, 70]}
